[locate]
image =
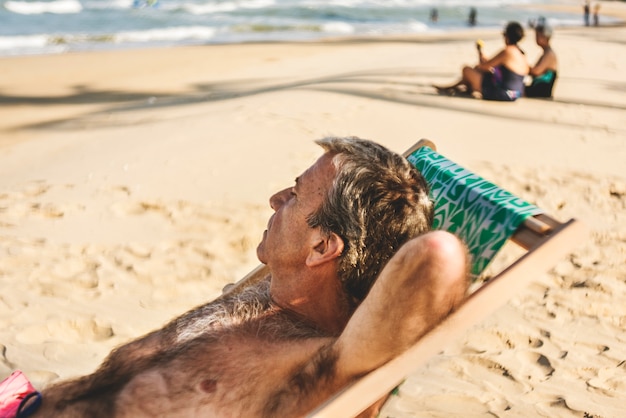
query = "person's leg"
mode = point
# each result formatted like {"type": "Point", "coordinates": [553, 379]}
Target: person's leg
{"type": "Point", "coordinates": [473, 79]}
{"type": "Point", "coordinates": [470, 81]}
{"type": "Point", "coordinates": [451, 88]}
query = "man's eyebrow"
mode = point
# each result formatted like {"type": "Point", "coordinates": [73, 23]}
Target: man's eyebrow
{"type": "Point", "coordinates": [297, 181]}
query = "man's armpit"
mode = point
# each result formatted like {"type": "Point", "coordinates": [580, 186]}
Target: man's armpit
{"type": "Point", "coordinates": [308, 385]}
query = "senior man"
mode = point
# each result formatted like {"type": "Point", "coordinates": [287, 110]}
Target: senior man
{"type": "Point", "coordinates": [355, 277]}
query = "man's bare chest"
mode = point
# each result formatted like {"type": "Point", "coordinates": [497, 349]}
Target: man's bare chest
{"type": "Point", "coordinates": [228, 374]}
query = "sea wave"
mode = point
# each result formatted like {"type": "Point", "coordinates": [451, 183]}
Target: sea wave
{"type": "Point", "coordinates": [31, 44]}
{"type": "Point", "coordinates": [107, 4]}
{"type": "Point", "coordinates": [166, 34]}
{"type": "Point", "coordinates": [32, 26]}
{"type": "Point", "coordinates": [220, 7]}
{"type": "Point", "coordinates": [64, 42]}
{"type": "Point", "coordinates": [330, 28]}
{"type": "Point", "coordinates": [30, 41]}
{"type": "Point", "coordinates": [202, 7]}
{"type": "Point", "coordinates": [40, 7]}
{"type": "Point", "coordinates": [338, 28]}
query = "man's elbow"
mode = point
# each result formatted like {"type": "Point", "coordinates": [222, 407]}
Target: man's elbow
{"type": "Point", "coordinates": [440, 252]}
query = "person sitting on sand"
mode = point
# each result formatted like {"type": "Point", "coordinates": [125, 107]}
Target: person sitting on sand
{"type": "Point", "coordinates": [545, 70]}
{"type": "Point", "coordinates": [356, 276]}
{"type": "Point", "coordinates": [499, 78]}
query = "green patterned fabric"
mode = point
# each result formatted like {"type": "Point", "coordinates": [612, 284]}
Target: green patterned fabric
{"type": "Point", "coordinates": [482, 214]}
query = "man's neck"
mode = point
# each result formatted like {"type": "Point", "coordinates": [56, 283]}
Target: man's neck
{"type": "Point", "coordinates": [313, 303]}
{"type": "Point", "coordinates": [323, 320]}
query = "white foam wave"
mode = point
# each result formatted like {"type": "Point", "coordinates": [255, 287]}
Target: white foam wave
{"type": "Point", "coordinates": [106, 5]}
{"type": "Point", "coordinates": [166, 34]}
{"type": "Point", "coordinates": [40, 7]}
{"type": "Point", "coordinates": [16, 42]}
{"type": "Point", "coordinates": [391, 4]}
{"type": "Point", "coordinates": [207, 8]}
{"type": "Point", "coordinates": [338, 27]}
{"type": "Point", "coordinates": [47, 43]}
{"type": "Point", "coordinates": [29, 45]}
{"type": "Point", "coordinates": [202, 9]}
{"type": "Point", "coordinates": [418, 27]}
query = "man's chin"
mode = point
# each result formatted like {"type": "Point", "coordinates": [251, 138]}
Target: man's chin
{"type": "Point", "coordinates": [259, 253]}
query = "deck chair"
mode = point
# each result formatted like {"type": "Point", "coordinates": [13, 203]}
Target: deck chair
{"type": "Point", "coordinates": [485, 217]}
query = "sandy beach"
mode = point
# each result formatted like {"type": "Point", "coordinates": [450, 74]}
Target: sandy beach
{"type": "Point", "coordinates": [134, 186]}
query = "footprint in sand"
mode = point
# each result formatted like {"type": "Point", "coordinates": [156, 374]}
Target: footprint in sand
{"type": "Point", "coordinates": [535, 366]}
{"type": "Point", "coordinates": [608, 382]}
{"type": "Point", "coordinates": [560, 407]}
{"type": "Point", "coordinates": [118, 189]}
{"type": "Point", "coordinates": [3, 358]}
{"type": "Point", "coordinates": [69, 272]}
{"type": "Point", "coordinates": [138, 250]}
{"type": "Point", "coordinates": [36, 188]}
{"type": "Point", "coordinates": [493, 375]}
{"type": "Point", "coordinates": [70, 267]}
{"type": "Point", "coordinates": [66, 330]}
{"type": "Point", "coordinates": [140, 208]}
{"type": "Point", "coordinates": [493, 340]}
{"type": "Point", "coordinates": [47, 210]}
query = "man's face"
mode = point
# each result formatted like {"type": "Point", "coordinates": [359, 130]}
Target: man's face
{"type": "Point", "coordinates": [288, 238]}
{"type": "Point", "coordinates": [539, 37]}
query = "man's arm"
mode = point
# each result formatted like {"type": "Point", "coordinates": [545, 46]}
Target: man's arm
{"type": "Point", "coordinates": [546, 61]}
{"type": "Point", "coordinates": [417, 289]}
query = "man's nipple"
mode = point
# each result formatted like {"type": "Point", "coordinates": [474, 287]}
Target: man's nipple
{"type": "Point", "coordinates": [208, 385]}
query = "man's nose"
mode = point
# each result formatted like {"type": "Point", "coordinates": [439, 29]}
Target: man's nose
{"type": "Point", "coordinates": [279, 198]}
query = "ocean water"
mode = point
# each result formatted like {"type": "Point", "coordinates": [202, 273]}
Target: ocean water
{"type": "Point", "coordinates": [57, 26]}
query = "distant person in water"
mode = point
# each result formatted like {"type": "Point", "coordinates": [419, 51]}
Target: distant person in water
{"type": "Point", "coordinates": [139, 4]}
{"type": "Point", "coordinates": [434, 15]}
{"type": "Point", "coordinates": [472, 17]}
{"type": "Point", "coordinates": [596, 14]}
{"type": "Point", "coordinates": [499, 78]}
{"type": "Point", "coordinates": [586, 13]}
{"type": "Point", "coordinates": [544, 72]}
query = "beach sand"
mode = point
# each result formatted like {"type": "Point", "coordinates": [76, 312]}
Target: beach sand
{"type": "Point", "coordinates": [134, 186]}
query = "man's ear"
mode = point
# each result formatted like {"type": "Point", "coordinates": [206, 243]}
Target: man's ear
{"type": "Point", "coordinates": [324, 248]}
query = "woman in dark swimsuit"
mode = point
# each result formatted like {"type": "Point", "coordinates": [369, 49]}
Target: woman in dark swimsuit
{"type": "Point", "coordinates": [499, 78]}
